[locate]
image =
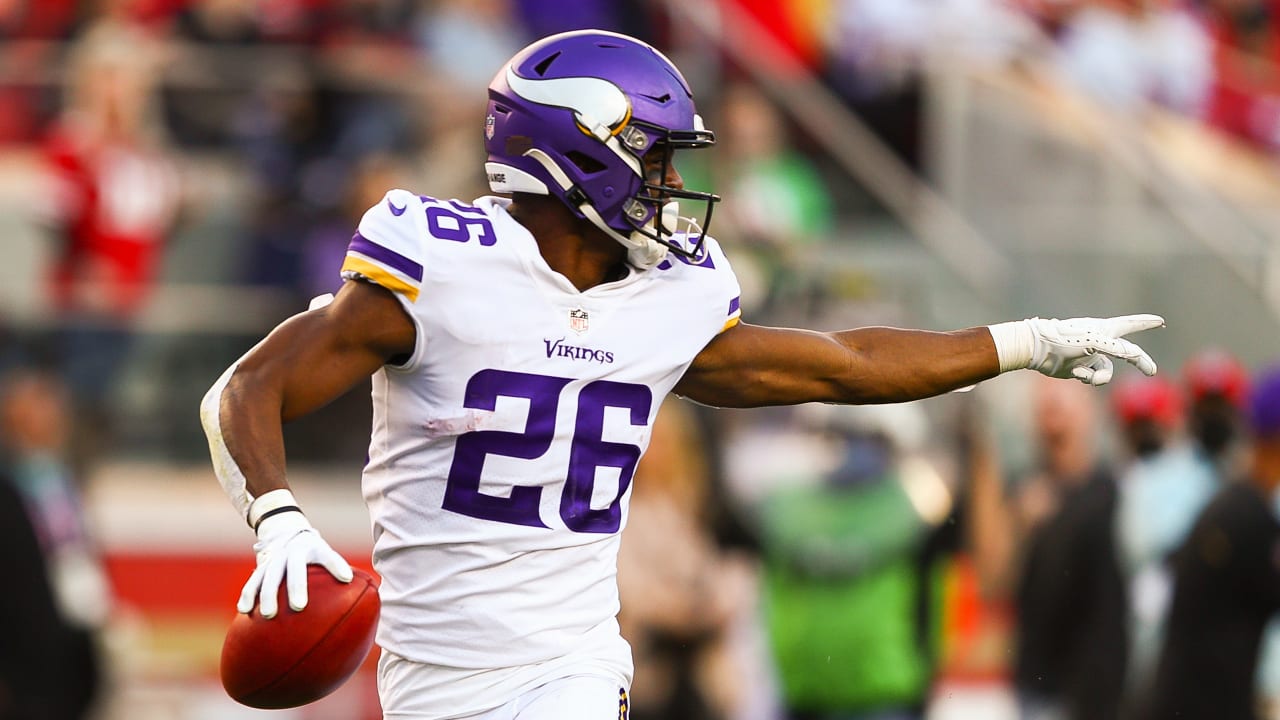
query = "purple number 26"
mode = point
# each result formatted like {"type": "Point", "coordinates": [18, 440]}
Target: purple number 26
{"type": "Point", "coordinates": [589, 449]}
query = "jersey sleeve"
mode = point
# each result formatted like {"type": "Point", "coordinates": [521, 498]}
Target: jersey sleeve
{"type": "Point", "coordinates": [387, 248]}
{"type": "Point", "coordinates": [730, 291]}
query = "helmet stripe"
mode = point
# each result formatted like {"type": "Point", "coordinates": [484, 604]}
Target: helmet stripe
{"type": "Point", "coordinates": [593, 100]}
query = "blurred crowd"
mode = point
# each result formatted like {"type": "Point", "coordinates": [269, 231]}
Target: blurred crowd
{"type": "Point", "coordinates": [321, 104]}
{"type": "Point", "coordinates": [894, 556]}
{"type": "Point", "coordinates": [1107, 554]}
{"type": "Point", "coordinates": [1211, 60]}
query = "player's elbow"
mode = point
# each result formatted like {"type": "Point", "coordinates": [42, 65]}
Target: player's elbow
{"type": "Point", "coordinates": [233, 390]}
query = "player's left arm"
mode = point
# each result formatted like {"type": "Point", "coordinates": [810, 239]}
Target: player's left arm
{"type": "Point", "coordinates": [752, 366]}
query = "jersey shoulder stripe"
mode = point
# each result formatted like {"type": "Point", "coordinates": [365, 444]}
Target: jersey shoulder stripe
{"type": "Point", "coordinates": [735, 313]}
{"type": "Point", "coordinates": [362, 245]}
{"type": "Point", "coordinates": [354, 267]}
{"type": "Point", "coordinates": [387, 248]}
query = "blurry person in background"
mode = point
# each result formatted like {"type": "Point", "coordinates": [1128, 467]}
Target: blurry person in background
{"type": "Point", "coordinates": [840, 583]}
{"type": "Point", "coordinates": [469, 40]}
{"type": "Point", "coordinates": [1218, 385]}
{"type": "Point", "coordinates": [686, 602]}
{"type": "Point", "coordinates": [1218, 388]}
{"type": "Point", "coordinates": [1050, 548]}
{"type": "Point", "coordinates": [113, 202]}
{"type": "Point", "coordinates": [777, 203]}
{"type": "Point", "coordinates": [1127, 54]}
{"type": "Point", "coordinates": [1226, 586]}
{"type": "Point", "coordinates": [1164, 485]}
{"type": "Point", "coordinates": [1148, 416]}
{"type": "Point", "coordinates": [462, 43]}
{"type": "Point", "coordinates": [1245, 99]}
{"type": "Point", "coordinates": [56, 597]}
{"type": "Point", "coordinates": [876, 51]}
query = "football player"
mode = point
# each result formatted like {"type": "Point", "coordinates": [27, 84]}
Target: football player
{"type": "Point", "coordinates": [520, 347]}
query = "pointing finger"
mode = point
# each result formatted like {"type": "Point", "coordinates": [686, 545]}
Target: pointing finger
{"type": "Point", "coordinates": [1125, 324]}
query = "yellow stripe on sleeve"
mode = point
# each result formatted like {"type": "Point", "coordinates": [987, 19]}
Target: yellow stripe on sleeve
{"type": "Point", "coordinates": [731, 322]}
{"type": "Point", "coordinates": [380, 276]}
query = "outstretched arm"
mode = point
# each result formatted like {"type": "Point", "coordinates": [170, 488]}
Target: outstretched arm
{"type": "Point", "coordinates": [302, 365]}
{"type": "Point", "coordinates": [751, 366]}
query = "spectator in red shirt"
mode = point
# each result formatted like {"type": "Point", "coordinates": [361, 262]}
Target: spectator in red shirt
{"type": "Point", "coordinates": [114, 201]}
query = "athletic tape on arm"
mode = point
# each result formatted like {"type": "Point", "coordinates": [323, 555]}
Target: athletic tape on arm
{"type": "Point", "coordinates": [224, 466]}
{"type": "Point", "coordinates": [1015, 344]}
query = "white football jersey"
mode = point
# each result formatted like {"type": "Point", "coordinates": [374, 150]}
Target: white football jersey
{"type": "Point", "coordinates": [503, 449]}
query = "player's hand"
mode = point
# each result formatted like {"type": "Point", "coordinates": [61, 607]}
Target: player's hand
{"type": "Point", "coordinates": [286, 545]}
{"type": "Point", "coordinates": [1082, 348]}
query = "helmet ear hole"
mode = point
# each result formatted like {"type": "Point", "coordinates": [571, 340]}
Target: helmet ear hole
{"type": "Point", "coordinates": [586, 163]}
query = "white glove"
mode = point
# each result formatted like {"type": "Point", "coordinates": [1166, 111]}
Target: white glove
{"type": "Point", "coordinates": [1081, 348]}
{"type": "Point", "coordinates": [286, 545]}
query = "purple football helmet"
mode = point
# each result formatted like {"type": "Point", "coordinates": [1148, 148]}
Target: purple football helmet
{"type": "Point", "coordinates": [574, 114]}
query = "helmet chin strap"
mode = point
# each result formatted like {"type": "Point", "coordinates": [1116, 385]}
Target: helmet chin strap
{"type": "Point", "coordinates": [643, 252]}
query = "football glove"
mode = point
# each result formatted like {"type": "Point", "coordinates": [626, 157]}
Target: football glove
{"type": "Point", "coordinates": [286, 545]}
{"type": "Point", "coordinates": [1080, 348]}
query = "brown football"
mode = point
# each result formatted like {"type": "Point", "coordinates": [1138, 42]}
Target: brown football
{"type": "Point", "coordinates": [299, 657]}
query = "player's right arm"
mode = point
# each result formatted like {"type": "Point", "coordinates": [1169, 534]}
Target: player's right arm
{"type": "Point", "coordinates": [305, 363]}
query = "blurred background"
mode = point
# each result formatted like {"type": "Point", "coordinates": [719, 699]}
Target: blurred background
{"type": "Point", "coordinates": [178, 176]}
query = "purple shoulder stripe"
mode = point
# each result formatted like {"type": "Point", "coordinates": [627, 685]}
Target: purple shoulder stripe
{"type": "Point", "coordinates": [735, 305]}
{"type": "Point", "coordinates": [386, 256]}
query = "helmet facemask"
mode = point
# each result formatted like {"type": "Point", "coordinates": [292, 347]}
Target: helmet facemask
{"type": "Point", "coordinates": [654, 212]}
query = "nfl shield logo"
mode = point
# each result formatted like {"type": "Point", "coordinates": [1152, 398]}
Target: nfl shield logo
{"type": "Point", "coordinates": [578, 320]}
{"type": "Point", "coordinates": [489, 126]}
